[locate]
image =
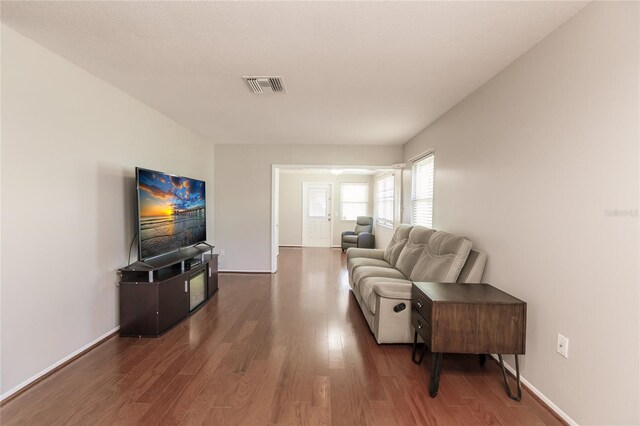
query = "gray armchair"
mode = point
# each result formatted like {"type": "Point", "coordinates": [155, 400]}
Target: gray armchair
{"type": "Point", "coordinates": [362, 237]}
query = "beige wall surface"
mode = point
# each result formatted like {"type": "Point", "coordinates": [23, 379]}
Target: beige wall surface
{"type": "Point", "coordinates": [383, 236]}
{"type": "Point", "coordinates": [540, 169]}
{"type": "Point", "coordinates": [243, 192]}
{"type": "Point", "coordinates": [291, 205]}
{"type": "Point", "coordinates": [70, 143]}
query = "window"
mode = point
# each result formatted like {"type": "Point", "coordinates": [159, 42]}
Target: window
{"type": "Point", "coordinates": [317, 199]}
{"type": "Point", "coordinates": [422, 191]}
{"type": "Point", "coordinates": [385, 191]}
{"type": "Point", "coordinates": [354, 200]}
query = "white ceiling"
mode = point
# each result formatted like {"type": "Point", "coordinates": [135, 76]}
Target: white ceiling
{"type": "Point", "coordinates": [355, 72]}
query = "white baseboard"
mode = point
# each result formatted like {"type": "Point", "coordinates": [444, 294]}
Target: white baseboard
{"type": "Point", "coordinates": [564, 416]}
{"type": "Point", "coordinates": [300, 245]}
{"type": "Point", "coordinates": [246, 271]}
{"type": "Point", "coordinates": [35, 377]}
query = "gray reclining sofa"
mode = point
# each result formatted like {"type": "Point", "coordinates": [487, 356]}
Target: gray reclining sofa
{"type": "Point", "coordinates": [381, 279]}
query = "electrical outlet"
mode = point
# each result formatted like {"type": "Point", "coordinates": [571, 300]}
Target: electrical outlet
{"type": "Point", "coordinates": [563, 346]}
{"type": "Point", "coordinates": [223, 252]}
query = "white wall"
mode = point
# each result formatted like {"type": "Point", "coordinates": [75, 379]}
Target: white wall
{"type": "Point", "coordinates": [243, 192]}
{"type": "Point", "coordinates": [528, 167]}
{"type": "Point", "coordinates": [291, 205]}
{"type": "Point", "coordinates": [70, 143]}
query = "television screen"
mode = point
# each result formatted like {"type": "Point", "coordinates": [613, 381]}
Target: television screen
{"type": "Point", "coordinates": [171, 212]}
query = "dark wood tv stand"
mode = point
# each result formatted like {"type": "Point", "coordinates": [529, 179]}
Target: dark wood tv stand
{"type": "Point", "coordinates": [154, 295]}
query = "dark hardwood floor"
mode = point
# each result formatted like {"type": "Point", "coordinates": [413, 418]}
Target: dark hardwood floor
{"type": "Point", "coordinates": [292, 348]}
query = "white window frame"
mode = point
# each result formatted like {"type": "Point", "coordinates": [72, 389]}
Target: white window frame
{"type": "Point", "coordinates": [385, 196]}
{"type": "Point", "coordinates": [422, 189]}
{"type": "Point", "coordinates": [342, 200]}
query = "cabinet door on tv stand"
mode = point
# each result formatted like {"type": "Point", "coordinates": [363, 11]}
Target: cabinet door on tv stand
{"type": "Point", "coordinates": [138, 309]}
{"type": "Point", "coordinates": [212, 280]}
{"type": "Point", "coordinates": [173, 301]}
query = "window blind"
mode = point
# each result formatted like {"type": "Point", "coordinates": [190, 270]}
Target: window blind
{"type": "Point", "coordinates": [422, 191]}
{"type": "Point", "coordinates": [385, 192]}
{"type": "Point", "coordinates": [354, 200]}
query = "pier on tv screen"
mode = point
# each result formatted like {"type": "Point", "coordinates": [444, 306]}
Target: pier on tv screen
{"type": "Point", "coordinates": [171, 212]}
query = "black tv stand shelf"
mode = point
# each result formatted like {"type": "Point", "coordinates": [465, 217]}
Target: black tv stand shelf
{"type": "Point", "coordinates": [167, 260]}
{"type": "Point", "coordinates": [157, 294]}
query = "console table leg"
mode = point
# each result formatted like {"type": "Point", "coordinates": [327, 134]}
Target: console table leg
{"type": "Point", "coordinates": [483, 359]}
{"type": "Point", "coordinates": [436, 367]}
{"type": "Point", "coordinates": [517, 397]}
{"type": "Point", "coordinates": [415, 348]}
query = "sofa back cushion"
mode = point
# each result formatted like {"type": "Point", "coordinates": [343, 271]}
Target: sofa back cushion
{"type": "Point", "coordinates": [413, 249]}
{"type": "Point", "coordinates": [396, 244]}
{"type": "Point", "coordinates": [364, 224]}
{"type": "Point", "coordinates": [442, 259]}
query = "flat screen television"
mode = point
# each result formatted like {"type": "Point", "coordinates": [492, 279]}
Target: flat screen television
{"type": "Point", "coordinates": [171, 212]}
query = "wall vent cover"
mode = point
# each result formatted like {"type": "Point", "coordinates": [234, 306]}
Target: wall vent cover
{"type": "Point", "coordinates": [262, 85]}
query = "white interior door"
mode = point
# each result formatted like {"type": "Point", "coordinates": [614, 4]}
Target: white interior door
{"type": "Point", "coordinates": [316, 214]}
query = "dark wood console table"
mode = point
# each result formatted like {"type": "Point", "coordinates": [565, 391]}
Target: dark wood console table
{"type": "Point", "coordinates": [467, 318]}
{"type": "Point", "coordinates": [156, 295]}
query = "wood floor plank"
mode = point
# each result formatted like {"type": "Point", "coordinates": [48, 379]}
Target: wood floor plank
{"type": "Point", "coordinates": [284, 349]}
{"type": "Point", "coordinates": [255, 394]}
{"type": "Point", "coordinates": [294, 384]}
{"type": "Point", "coordinates": [360, 363]}
{"type": "Point", "coordinates": [223, 384]}
{"type": "Point", "coordinates": [321, 394]}
{"type": "Point", "coordinates": [495, 403]}
{"type": "Point", "coordinates": [349, 406]}
{"type": "Point", "coordinates": [198, 411]}
{"type": "Point", "coordinates": [402, 411]}
{"type": "Point", "coordinates": [218, 416]}
{"type": "Point", "coordinates": [179, 410]}
{"type": "Point", "coordinates": [480, 413]}
{"type": "Point", "coordinates": [158, 409]}
{"type": "Point", "coordinates": [383, 414]}
{"type": "Point", "coordinates": [424, 410]}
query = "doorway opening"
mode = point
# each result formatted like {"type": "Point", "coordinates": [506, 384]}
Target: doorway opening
{"type": "Point", "coordinates": [312, 205]}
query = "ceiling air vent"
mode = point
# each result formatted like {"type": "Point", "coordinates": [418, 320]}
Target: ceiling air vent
{"type": "Point", "coordinates": [260, 85]}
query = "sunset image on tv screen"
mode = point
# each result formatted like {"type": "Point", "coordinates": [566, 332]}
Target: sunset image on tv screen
{"type": "Point", "coordinates": [172, 212]}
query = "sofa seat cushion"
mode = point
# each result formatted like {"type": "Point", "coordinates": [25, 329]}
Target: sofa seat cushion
{"type": "Point", "coordinates": [352, 239]}
{"type": "Point", "coordinates": [353, 252]}
{"type": "Point", "coordinates": [357, 262]}
{"type": "Point", "coordinates": [368, 285]}
{"type": "Point", "coordinates": [375, 271]}
{"type": "Point", "coordinates": [443, 259]}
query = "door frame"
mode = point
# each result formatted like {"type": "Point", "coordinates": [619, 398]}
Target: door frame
{"type": "Point", "coordinates": [305, 185]}
{"type": "Point", "coordinates": [275, 188]}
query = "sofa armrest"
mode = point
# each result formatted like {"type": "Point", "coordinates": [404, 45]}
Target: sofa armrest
{"type": "Point", "coordinates": [348, 233]}
{"type": "Point", "coordinates": [390, 290]}
{"type": "Point", "coordinates": [366, 240]}
{"type": "Point", "coordinates": [368, 253]}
